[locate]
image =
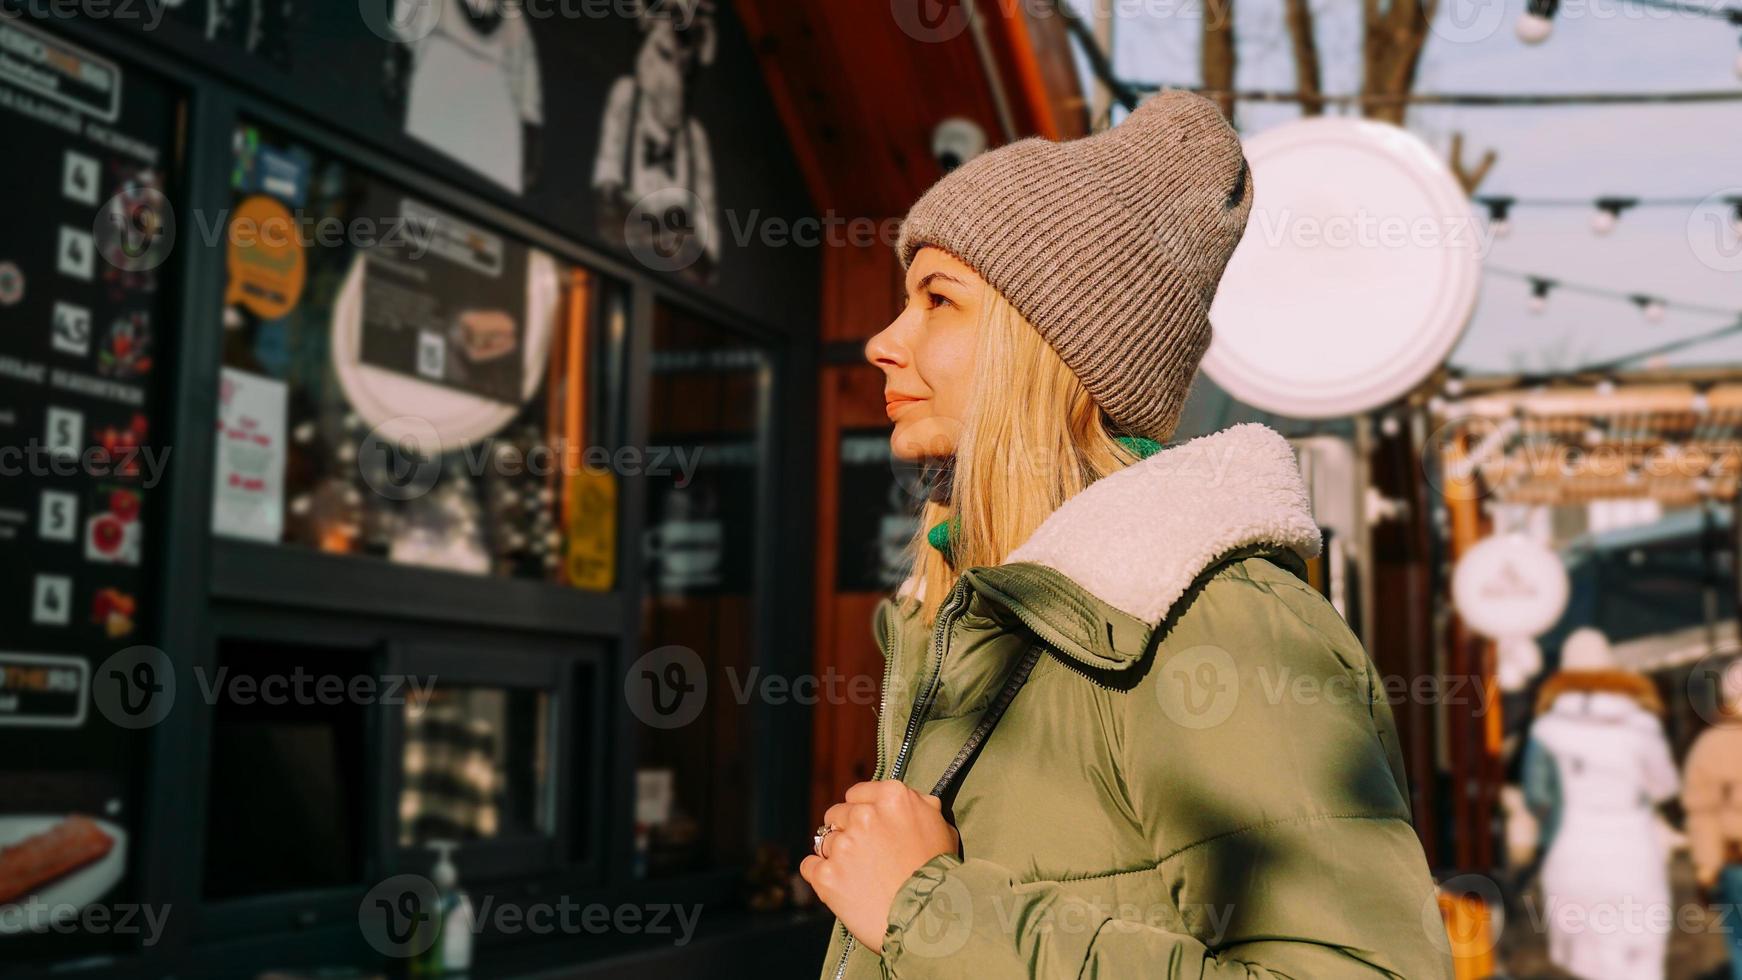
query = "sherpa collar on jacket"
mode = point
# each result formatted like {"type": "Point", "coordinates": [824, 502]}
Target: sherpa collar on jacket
{"type": "Point", "coordinates": [1137, 540]}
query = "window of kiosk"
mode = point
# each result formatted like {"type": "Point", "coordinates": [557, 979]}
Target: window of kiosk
{"type": "Point", "coordinates": [709, 398]}
{"type": "Point", "coordinates": [288, 800]}
{"type": "Point", "coordinates": [404, 383]}
{"type": "Point", "coordinates": [481, 744]}
{"type": "Point", "coordinates": [93, 158]}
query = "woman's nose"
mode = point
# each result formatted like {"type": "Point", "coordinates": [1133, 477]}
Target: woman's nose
{"type": "Point", "coordinates": [884, 351]}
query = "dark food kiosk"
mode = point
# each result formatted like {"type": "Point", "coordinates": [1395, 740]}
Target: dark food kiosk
{"type": "Point", "coordinates": [381, 384]}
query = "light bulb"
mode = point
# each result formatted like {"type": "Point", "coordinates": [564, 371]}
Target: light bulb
{"type": "Point", "coordinates": [1534, 29]}
{"type": "Point", "coordinates": [1654, 311]}
{"type": "Point", "coordinates": [1501, 228]}
{"type": "Point", "coordinates": [1537, 305]}
{"type": "Point", "coordinates": [1603, 222]}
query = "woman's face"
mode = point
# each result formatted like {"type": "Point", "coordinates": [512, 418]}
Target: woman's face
{"type": "Point", "coordinates": [927, 355]}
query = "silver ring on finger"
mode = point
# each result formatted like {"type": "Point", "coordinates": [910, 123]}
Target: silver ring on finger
{"type": "Point", "coordinates": [822, 834]}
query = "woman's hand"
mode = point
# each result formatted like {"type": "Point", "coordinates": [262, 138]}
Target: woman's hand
{"type": "Point", "coordinates": [885, 833]}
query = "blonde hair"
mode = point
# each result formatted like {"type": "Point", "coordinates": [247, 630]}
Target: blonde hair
{"type": "Point", "coordinates": [1032, 439]}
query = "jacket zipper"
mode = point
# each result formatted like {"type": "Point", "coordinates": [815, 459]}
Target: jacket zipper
{"type": "Point", "coordinates": [921, 702]}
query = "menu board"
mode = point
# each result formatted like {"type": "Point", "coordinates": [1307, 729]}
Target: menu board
{"type": "Point", "coordinates": [90, 145]}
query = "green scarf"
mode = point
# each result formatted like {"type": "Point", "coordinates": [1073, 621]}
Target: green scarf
{"type": "Point", "coordinates": [939, 536]}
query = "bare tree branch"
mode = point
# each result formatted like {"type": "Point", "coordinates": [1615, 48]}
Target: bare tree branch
{"type": "Point", "coordinates": [1470, 178]}
{"type": "Point", "coordinates": [1306, 56]}
{"type": "Point", "coordinates": [1218, 53]}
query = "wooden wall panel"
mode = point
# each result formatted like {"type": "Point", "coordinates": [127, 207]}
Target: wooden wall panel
{"type": "Point", "coordinates": [861, 292]}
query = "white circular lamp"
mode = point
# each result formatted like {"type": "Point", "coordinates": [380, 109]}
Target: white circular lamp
{"type": "Point", "coordinates": [1357, 274]}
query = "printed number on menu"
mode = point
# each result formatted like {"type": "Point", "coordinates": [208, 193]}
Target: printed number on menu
{"type": "Point", "coordinates": [59, 519]}
{"type": "Point", "coordinates": [72, 329]}
{"type": "Point", "coordinates": [78, 179]}
{"type": "Point", "coordinates": [77, 256]}
{"type": "Point", "coordinates": [52, 601]}
{"type": "Point", "coordinates": [66, 431]}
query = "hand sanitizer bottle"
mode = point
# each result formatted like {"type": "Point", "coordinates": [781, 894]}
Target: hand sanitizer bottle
{"type": "Point", "coordinates": [455, 910]}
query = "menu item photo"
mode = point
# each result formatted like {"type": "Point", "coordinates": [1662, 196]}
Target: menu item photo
{"type": "Point", "coordinates": [54, 866]}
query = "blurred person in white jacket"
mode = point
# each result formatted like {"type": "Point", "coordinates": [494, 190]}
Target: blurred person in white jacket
{"type": "Point", "coordinates": [1595, 769]}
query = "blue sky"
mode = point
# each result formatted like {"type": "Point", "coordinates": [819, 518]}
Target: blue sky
{"type": "Point", "coordinates": [1683, 254]}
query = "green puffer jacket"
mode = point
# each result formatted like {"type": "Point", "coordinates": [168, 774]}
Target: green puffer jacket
{"type": "Point", "coordinates": [1200, 779]}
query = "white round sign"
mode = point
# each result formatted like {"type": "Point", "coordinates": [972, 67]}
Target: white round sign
{"type": "Point", "coordinates": [405, 410]}
{"type": "Point", "coordinates": [1510, 585]}
{"type": "Point", "coordinates": [1356, 276]}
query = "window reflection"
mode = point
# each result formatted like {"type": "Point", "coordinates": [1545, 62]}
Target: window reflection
{"type": "Point", "coordinates": [476, 766]}
{"type": "Point", "coordinates": [708, 405]}
{"type": "Point", "coordinates": [402, 382]}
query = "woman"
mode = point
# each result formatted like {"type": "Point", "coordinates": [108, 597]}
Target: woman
{"type": "Point", "coordinates": [1196, 773]}
{"type": "Point", "coordinates": [1712, 796]}
{"type": "Point", "coordinates": [1595, 768]}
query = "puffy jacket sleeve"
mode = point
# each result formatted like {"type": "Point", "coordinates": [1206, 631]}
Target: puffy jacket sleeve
{"type": "Point", "coordinates": [1703, 796]}
{"type": "Point", "coordinates": [1261, 759]}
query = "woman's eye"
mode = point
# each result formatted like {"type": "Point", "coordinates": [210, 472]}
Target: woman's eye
{"type": "Point", "coordinates": [938, 300]}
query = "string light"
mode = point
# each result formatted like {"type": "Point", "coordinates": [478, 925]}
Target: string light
{"type": "Point", "coordinates": [1653, 307]}
{"type": "Point", "coordinates": [1650, 306]}
{"type": "Point", "coordinates": [1609, 212]}
{"type": "Point", "coordinates": [1736, 202]}
{"type": "Point", "coordinates": [1605, 211]}
{"type": "Point", "coordinates": [1500, 215]}
{"type": "Point", "coordinates": [1537, 23]}
{"type": "Point", "coordinates": [1538, 301]}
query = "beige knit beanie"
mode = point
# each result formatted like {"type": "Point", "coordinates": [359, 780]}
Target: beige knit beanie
{"type": "Point", "coordinates": [1111, 245]}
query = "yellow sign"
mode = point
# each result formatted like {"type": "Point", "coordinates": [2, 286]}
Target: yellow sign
{"type": "Point", "coordinates": [592, 529]}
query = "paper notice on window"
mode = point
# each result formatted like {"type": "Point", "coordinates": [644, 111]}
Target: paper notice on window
{"type": "Point", "coordinates": [248, 491]}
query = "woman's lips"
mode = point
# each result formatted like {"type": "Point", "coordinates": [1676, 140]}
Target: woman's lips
{"type": "Point", "coordinates": [894, 405]}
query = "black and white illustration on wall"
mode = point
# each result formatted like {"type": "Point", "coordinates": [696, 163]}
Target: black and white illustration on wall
{"type": "Point", "coordinates": [465, 75]}
{"type": "Point", "coordinates": [653, 175]}
{"type": "Point", "coordinates": [259, 27]}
